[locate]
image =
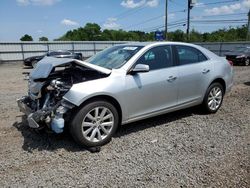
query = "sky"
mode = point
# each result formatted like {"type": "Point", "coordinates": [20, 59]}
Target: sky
{"type": "Point", "coordinates": [53, 18]}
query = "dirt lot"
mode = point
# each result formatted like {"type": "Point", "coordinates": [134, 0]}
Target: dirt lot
{"type": "Point", "coordinates": [181, 149]}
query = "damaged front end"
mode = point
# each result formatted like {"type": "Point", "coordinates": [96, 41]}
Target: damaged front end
{"type": "Point", "coordinates": [48, 83]}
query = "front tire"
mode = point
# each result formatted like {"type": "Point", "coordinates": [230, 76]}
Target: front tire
{"type": "Point", "coordinates": [34, 63]}
{"type": "Point", "coordinates": [213, 98]}
{"type": "Point", "coordinates": [95, 123]}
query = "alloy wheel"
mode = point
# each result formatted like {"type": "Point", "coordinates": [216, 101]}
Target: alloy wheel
{"type": "Point", "coordinates": [97, 124]}
{"type": "Point", "coordinates": [214, 98]}
{"type": "Point", "coordinates": [247, 62]}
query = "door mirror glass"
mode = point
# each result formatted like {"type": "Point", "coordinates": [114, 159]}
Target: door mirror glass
{"type": "Point", "coordinates": [140, 68]}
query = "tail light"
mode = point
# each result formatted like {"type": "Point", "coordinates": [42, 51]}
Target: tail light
{"type": "Point", "coordinates": [230, 62]}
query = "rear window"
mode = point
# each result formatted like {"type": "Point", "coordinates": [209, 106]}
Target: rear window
{"type": "Point", "coordinates": [189, 55]}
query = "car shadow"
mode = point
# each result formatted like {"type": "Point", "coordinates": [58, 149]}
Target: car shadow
{"type": "Point", "coordinates": [157, 121]}
{"type": "Point", "coordinates": [27, 67]}
{"type": "Point", "coordinates": [247, 83]}
{"type": "Point", "coordinates": [44, 140]}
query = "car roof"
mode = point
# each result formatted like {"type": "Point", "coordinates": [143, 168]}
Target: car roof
{"type": "Point", "coordinates": [59, 51]}
{"type": "Point", "coordinates": [208, 53]}
{"type": "Point", "coordinates": [156, 43]}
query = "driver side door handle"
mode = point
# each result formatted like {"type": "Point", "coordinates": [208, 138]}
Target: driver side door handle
{"type": "Point", "coordinates": [205, 71]}
{"type": "Point", "coordinates": [171, 78]}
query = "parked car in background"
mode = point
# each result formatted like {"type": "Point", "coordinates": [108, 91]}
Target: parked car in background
{"type": "Point", "coordinates": [123, 84]}
{"type": "Point", "coordinates": [239, 56]}
{"type": "Point", "coordinates": [32, 61]}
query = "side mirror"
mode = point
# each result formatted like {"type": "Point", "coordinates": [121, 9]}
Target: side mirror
{"type": "Point", "coordinates": [139, 68]}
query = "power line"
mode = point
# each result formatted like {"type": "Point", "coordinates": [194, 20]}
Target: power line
{"type": "Point", "coordinates": [170, 24]}
{"type": "Point", "coordinates": [180, 23]}
{"type": "Point", "coordinates": [153, 18]}
{"type": "Point", "coordinates": [122, 16]}
{"type": "Point", "coordinates": [155, 28]}
{"type": "Point", "coordinates": [176, 26]}
{"type": "Point", "coordinates": [126, 13]}
{"type": "Point", "coordinates": [181, 5]}
{"type": "Point", "coordinates": [221, 15]}
{"type": "Point", "coordinates": [219, 2]}
{"type": "Point", "coordinates": [146, 21]}
{"type": "Point", "coordinates": [183, 10]}
{"type": "Point", "coordinates": [221, 20]}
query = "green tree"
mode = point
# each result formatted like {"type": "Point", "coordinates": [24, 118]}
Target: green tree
{"type": "Point", "coordinates": [43, 39]}
{"type": "Point", "coordinates": [26, 37]}
{"type": "Point", "coordinates": [93, 32]}
{"type": "Point", "coordinates": [177, 35]}
{"type": "Point", "coordinates": [195, 36]}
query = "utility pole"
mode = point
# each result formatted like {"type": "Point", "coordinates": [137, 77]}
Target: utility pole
{"type": "Point", "coordinates": [188, 18]}
{"type": "Point", "coordinates": [166, 20]}
{"type": "Point", "coordinates": [248, 26]}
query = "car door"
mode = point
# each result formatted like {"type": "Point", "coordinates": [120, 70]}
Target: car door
{"type": "Point", "coordinates": [194, 73]}
{"type": "Point", "coordinates": [155, 90]}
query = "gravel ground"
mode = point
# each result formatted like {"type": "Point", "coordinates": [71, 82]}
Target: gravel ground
{"type": "Point", "coordinates": [181, 149]}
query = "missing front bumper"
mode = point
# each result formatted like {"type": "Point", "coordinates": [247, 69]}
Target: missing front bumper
{"type": "Point", "coordinates": [53, 117]}
{"type": "Point", "coordinates": [23, 107]}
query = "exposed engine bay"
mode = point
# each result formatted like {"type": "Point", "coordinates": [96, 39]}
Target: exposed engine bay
{"type": "Point", "coordinates": [48, 83]}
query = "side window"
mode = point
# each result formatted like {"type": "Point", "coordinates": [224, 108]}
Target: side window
{"type": "Point", "coordinates": [189, 55]}
{"type": "Point", "coordinates": [51, 53]}
{"type": "Point", "coordinates": [157, 58]}
{"type": "Point", "coordinates": [65, 53]}
{"type": "Point", "coordinates": [54, 53]}
{"type": "Point", "coordinates": [202, 57]}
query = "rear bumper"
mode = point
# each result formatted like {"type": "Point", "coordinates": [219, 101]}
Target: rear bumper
{"type": "Point", "coordinates": [237, 61]}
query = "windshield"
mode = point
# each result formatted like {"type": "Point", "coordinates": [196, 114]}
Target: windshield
{"type": "Point", "coordinates": [114, 57]}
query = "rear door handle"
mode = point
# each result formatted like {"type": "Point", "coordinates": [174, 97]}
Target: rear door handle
{"type": "Point", "coordinates": [171, 78]}
{"type": "Point", "coordinates": [205, 71]}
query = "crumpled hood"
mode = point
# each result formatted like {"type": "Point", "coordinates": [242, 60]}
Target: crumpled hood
{"type": "Point", "coordinates": [45, 66]}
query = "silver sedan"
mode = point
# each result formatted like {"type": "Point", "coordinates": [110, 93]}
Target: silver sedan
{"type": "Point", "coordinates": [123, 84]}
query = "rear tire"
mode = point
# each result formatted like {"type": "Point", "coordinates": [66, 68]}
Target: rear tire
{"type": "Point", "coordinates": [213, 98]}
{"type": "Point", "coordinates": [95, 123]}
{"type": "Point", "coordinates": [247, 62]}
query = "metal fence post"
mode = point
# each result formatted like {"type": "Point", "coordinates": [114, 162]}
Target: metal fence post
{"type": "Point", "coordinates": [94, 47]}
{"type": "Point", "coordinates": [22, 51]}
{"type": "Point", "coordinates": [73, 47]}
{"type": "Point", "coordinates": [220, 48]}
{"type": "Point", "coordinates": [48, 46]}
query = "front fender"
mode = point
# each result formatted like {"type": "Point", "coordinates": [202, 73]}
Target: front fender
{"type": "Point", "coordinates": [112, 86]}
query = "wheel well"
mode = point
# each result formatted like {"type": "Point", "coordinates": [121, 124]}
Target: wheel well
{"type": "Point", "coordinates": [221, 81]}
{"type": "Point", "coordinates": [108, 99]}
